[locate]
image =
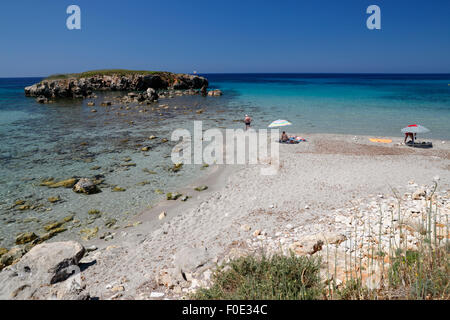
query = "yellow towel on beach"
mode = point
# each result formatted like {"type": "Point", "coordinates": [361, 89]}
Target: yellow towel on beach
{"type": "Point", "coordinates": [381, 140]}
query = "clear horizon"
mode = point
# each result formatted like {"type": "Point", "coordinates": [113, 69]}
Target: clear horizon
{"type": "Point", "coordinates": [234, 37]}
{"type": "Point", "coordinates": [293, 73]}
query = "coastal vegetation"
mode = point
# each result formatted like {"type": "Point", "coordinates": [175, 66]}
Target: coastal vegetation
{"type": "Point", "coordinates": [400, 273]}
{"type": "Point", "coordinates": [106, 72]}
{"type": "Point", "coordinates": [82, 85]}
{"type": "Point", "coordinates": [277, 277]}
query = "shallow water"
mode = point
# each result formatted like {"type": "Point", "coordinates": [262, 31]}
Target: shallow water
{"type": "Point", "coordinates": [66, 139]}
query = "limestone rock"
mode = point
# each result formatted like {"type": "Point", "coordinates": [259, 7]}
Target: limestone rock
{"type": "Point", "coordinates": [3, 251]}
{"type": "Point", "coordinates": [419, 194]}
{"type": "Point", "coordinates": [42, 266]}
{"type": "Point", "coordinates": [41, 99]}
{"type": "Point", "coordinates": [11, 256]}
{"type": "Point", "coordinates": [215, 93]}
{"type": "Point", "coordinates": [189, 260]}
{"type": "Point", "coordinates": [83, 86]}
{"type": "Point", "coordinates": [54, 199]}
{"type": "Point", "coordinates": [69, 183]}
{"type": "Point", "coordinates": [25, 237]}
{"type": "Point", "coordinates": [85, 186]}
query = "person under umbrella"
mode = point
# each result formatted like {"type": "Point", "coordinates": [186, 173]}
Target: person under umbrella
{"type": "Point", "coordinates": [411, 135]}
{"type": "Point", "coordinates": [412, 130]}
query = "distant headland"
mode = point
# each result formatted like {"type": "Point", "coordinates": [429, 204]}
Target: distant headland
{"type": "Point", "coordinates": [82, 85]}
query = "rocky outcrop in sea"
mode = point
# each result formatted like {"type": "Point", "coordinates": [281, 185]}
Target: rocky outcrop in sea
{"type": "Point", "coordinates": [82, 87]}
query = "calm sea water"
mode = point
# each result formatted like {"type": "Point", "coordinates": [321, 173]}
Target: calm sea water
{"type": "Point", "coordinates": [66, 139]}
{"type": "Point", "coordinates": [371, 104]}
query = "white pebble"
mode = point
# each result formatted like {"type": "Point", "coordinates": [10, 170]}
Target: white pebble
{"type": "Point", "coordinates": [156, 295]}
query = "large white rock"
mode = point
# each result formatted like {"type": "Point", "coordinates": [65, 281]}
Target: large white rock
{"type": "Point", "coordinates": [43, 266]}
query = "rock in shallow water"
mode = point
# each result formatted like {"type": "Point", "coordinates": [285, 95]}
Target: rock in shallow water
{"type": "Point", "coordinates": [25, 237]}
{"type": "Point", "coordinates": [69, 183]}
{"type": "Point", "coordinates": [86, 186]}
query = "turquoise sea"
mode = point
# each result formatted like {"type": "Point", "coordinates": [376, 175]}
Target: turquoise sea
{"type": "Point", "coordinates": [372, 104]}
{"type": "Point", "coordinates": [65, 139]}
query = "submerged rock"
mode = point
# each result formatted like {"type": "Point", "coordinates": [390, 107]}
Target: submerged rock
{"type": "Point", "coordinates": [89, 233]}
{"type": "Point", "coordinates": [146, 170]}
{"type": "Point", "coordinates": [54, 199]}
{"type": "Point", "coordinates": [68, 218]}
{"type": "Point", "coordinates": [24, 207]}
{"type": "Point", "coordinates": [110, 223]}
{"type": "Point", "coordinates": [26, 237]}
{"type": "Point", "coordinates": [173, 196]}
{"type": "Point", "coordinates": [53, 225]}
{"type": "Point", "coordinates": [201, 188]}
{"type": "Point", "coordinates": [143, 183]}
{"type": "Point", "coordinates": [68, 183]}
{"type": "Point", "coordinates": [176, 167]}
{"type": "Point", "coordinates": [19, 203]}
{"type": "Point", "coordinates": [128, 165]}
{"type": "Point", "coordinates": [3, 251]}
{"type": "Point", "coordinates": [49, 235]}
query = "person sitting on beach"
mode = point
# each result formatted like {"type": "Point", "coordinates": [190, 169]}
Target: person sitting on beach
{"type": "Point", "coordinates": [247, 121]}
{"type": "Point", "coordinates": [284, 137]}
{"type": "Point", "coordinates": [409, 134]}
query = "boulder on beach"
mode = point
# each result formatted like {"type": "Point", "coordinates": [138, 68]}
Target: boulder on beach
{"type": "Point", "coordinates": [44, 265]}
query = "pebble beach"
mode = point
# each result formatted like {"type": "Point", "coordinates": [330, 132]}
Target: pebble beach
{"type": "Point", "coordinates": [330, 189]}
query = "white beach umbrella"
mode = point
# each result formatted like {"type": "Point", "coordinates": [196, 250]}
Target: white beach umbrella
{"type": "Point", "coordinates": [415, 128]}
{"type": "Point", "coordinates": [279, 123]}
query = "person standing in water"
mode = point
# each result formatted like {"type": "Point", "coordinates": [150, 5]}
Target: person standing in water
{"type": "Point", "coordinates": [247, 121]}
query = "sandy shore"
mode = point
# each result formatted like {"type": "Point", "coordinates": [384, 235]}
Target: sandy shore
{"type": "Point", "coordinates": [318, 178]}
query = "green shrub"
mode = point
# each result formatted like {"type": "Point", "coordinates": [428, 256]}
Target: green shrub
{"type": "Point", "coordinates": [105, 72]}
{"type": "Point", "coordinates": [275, 278]}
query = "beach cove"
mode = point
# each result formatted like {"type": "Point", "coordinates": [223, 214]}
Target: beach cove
{"type": "Point", "coordinates": [239, 211]}
{"type": "Point", "coordinates": [339, 177]}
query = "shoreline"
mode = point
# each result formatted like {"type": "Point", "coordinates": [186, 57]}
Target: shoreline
{"type": "Point", "coordinates": [223, 182]}
{"type": "Point", "coordinates": [217, 175]}
{"type": "Point", "coordinates": [241, 210]}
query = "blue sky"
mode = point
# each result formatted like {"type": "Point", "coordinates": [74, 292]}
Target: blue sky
{"type": "Point", "coordinates": [224, 36]}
